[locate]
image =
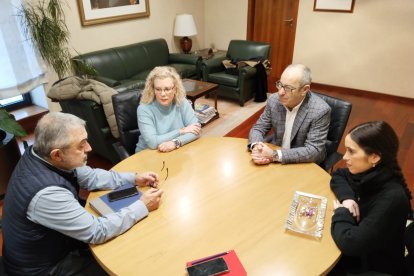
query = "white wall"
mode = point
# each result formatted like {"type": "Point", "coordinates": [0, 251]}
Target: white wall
{"type": "Point", "coordinates": [369, 49]}
{"type": "Point", "coordinates": [225, 20]}
{"type": "Point", "coordinates": [158, 25]}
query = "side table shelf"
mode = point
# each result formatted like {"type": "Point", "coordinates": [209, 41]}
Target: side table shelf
{"type": "Point", "coordinates": [197, 89]}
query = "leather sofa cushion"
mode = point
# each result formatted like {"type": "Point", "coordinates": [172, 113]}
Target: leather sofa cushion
{"type": "Point", "coordinates": [157, 53]}
{"type": "Point", "coordinates": [130, 84]}
{"type": "Point", "coordinates": [134, 62]}
{"type": "Point", "coordinates": [244, 51]}
{"type": "Point", "coordinates": [141, 75]}
{"type": "Point", "coordinates": [185, 70]}
{"type": "Point", "coordinates": [134, 59]}
{"type": "Point", "coordinates": [100, 61]}
{"type": "Point", "coordinates": [222, 78]}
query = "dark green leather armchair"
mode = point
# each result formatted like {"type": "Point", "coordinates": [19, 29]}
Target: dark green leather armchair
{"type": "Point", "coordinates": [238, 87]}
{"type": "Point", "coordinates": [126, 67]}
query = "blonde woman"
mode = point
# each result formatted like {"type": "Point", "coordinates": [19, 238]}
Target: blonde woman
{"type": "Point", "coordinates": [166, 119]}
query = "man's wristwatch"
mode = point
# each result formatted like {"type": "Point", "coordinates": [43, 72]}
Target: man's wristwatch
{"type": "Point", "coordinates": [275, 156]}
{"type": "Point", "coordinates": [177, 143]}
{"type": "Point", "coordinates": [250, 146]}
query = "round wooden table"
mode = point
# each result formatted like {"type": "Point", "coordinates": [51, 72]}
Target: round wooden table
{"type": "Point", "coordinates": [216, 199]}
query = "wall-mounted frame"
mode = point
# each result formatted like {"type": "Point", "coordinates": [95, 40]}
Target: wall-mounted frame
{"type": "Point", "coordinates": [102, 11]}
{"type": "Point", "coordinates": [334, 5]}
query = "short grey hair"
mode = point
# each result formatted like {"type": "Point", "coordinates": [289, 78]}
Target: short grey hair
{"type": "Point", "coordinates": [53, 132]}
{"type": "Point", "coordinates": [306, 73]}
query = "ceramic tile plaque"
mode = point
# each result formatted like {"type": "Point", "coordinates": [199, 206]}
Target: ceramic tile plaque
{"type": "Point", "coordinates": [307, 214]}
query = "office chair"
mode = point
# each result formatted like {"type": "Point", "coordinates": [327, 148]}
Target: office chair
{"type": "Point", "coordinates": [409, 244]}
{"type": "Point", "coordinates": [125, 109]}
{"type": "Point", "coordinates": [340, 111]}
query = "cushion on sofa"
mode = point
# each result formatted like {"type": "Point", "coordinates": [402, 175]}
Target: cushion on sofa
{"type": "Point", "coordinates": [224, 79]}
{"type": "Point", "coordinates": [134, 58]}
{"type": "Point", "coordinates": [141, 75]}
{"type": "Point", "coordinates": [105, 62]}
{"type": "Point", "coordinates": [186, 71]}
{"type": "Point", "coordinates": [157, 53]}
{"type": "Point", "coordinates": [130, 84]}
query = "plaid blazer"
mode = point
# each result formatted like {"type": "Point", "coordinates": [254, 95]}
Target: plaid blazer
{"type": "Point", "coordinates": [309, 131]}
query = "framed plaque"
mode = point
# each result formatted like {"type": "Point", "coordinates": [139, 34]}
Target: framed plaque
{"type": "Point", "coordinates": [307, 214]}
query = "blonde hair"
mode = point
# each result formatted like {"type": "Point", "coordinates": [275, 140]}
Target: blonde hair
{"type": "Point", "coordinates": [163, 72]}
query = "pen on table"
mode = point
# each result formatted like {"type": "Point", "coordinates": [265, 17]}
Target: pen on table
{"type": "Point", "coordinates": [210, 258]}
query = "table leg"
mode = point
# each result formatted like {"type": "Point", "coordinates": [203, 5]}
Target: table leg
{"type": "Point", "coordinates": [215, 100]}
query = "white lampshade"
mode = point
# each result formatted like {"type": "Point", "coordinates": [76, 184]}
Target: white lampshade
{"type": "Point", "coordinates": [184, 25]}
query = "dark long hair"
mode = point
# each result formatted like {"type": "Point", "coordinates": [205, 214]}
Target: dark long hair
{"type": "Point", "coordinates": [380, 138]}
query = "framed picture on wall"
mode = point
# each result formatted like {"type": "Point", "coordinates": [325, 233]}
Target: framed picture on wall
{"type": "Point", "coordinates": [334, 5]}
{"type": "Point", "coordinates": [102, 11]}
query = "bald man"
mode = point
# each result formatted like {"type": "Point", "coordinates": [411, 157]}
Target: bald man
{"type": "Point", "coordinates": [299, 120]}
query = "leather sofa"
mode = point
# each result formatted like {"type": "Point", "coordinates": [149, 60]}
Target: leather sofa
{"type": "Point", "coordinates": [123, 68]}
{"type": "Point", "coordinates": [126, 67]}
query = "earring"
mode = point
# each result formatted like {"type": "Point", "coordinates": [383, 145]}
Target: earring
{"type": "Point", "coordinates": [373, 165]}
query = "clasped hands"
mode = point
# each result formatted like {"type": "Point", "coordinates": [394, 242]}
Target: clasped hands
{"type": "Point", "coordinates": [170, 145]}
{"type": "Point", "coordinates": [262, 154]}
{"type": "Point", "coordinates": [351, 205]}
{"type": "Point", "coordinates": [152, 197]}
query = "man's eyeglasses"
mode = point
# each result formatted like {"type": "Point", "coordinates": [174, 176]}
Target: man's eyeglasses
{"type": "Point", "coordinates": [287, 88]}
{"type": "Point", "coordinates": [166, 90]}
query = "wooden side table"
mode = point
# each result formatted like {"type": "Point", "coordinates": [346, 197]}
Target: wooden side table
{"type": "Point", "coordinates": [196, 89]}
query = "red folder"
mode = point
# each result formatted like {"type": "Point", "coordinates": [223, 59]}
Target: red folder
{"type": "Point", "coordinates": [233, 263]}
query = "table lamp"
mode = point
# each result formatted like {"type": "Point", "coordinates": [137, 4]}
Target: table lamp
{"type": "Point", "coordinates": [185, 27]}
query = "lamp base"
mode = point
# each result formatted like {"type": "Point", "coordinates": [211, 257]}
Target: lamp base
{"type": "Point", "coordinates": [186, 44]}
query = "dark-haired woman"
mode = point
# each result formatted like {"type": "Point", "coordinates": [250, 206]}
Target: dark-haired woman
{"type": "Point", "coordinates": [373, 203]}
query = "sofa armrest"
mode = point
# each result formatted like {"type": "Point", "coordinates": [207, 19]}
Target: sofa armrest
{"type": "Point", "coordinates": [212, 65]}
{"type": "Point", "coordinates": [183, 58]}
{"type": "Point", "coordinates": [247, 72]}
{"type": "Point", "coordinates": [108, 81]}
{"type": "Point", "coordinates": [130, 85]}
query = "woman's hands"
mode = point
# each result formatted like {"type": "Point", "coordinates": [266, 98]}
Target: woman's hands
{"type": "Point", "coordinates": [194, 129]}
{"type": "Point", "coordinates": [170, 145]}
{"type": "Point", "coordinates": [351, 205]}
{"type": "Point", "coordinates": [166, 146]}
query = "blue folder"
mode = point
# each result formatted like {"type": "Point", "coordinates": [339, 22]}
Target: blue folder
{"type": "Point", "coordinates": [103, 206]}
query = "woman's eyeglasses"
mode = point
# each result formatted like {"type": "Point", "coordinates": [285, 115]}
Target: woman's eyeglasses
{"type": "Point", "coordinates": [166, 90]}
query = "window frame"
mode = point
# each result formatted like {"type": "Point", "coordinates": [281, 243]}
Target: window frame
{"type": "Point", "coordinates": [26, 101]}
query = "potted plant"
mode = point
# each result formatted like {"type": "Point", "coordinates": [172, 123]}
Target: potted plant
{"type": "Point", "coordinates": [44, 23]}
{"type": "Point", "coordinates": [9, 150]}
{"type": "Point", "coordinates": [10, 125]}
